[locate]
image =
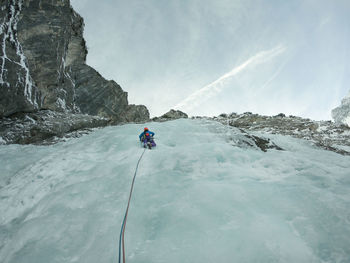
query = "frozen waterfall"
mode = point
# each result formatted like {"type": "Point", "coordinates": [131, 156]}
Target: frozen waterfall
{"type": "Point", "coordinates": [197, 198]}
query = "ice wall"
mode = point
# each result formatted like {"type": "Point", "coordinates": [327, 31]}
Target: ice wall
{"type": "Point", "coordinates": [197, 198]}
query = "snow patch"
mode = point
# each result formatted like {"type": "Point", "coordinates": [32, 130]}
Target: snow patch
{"type": "Point", "coordinates": [347, 121]}
{"type": "Point", "coordinates": [322, 128]}
{"type": "Point", "coordinates": [61, 103]}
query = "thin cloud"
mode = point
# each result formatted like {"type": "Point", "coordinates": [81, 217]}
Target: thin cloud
{"type": "Point", "coordinates": [205, 93]}
{"type": "Point", "coordinates": [277, 72]}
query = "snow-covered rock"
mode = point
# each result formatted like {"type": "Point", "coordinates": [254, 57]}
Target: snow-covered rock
{"type": "Point", "coordinates": [46, 126]}
{"type": "Point", "coordinates": [341, 114]}
{"type": "Point", "coordinates": [324, 134]}
{"type": "Point", "coordinates": [171, 115]}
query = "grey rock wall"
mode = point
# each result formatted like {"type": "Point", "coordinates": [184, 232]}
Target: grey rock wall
{"type": "Point", "coordinates": [135, 113]}
{"type": "Point", "coordinates": [18, 90]}
{"type": "Point", "coordinates": [97, 96]}
{"type": "Point", "coordinates": [45, 29]}
{"type": "Point", "coordinates": [42, 62]}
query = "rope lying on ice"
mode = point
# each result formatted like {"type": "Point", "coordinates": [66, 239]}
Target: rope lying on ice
{"type": "Point", "coordinates": [122, 231]}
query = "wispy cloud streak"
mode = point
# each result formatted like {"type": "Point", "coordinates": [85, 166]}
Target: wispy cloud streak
{"type": "Point", "coordinates": [210, 90]}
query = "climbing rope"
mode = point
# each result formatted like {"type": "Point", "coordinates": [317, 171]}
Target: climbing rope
{"type": "Point", "coordinates": [122, 231]}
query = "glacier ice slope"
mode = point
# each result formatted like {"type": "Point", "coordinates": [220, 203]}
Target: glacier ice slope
{"type": "Point", "coordinates": [197, 198]}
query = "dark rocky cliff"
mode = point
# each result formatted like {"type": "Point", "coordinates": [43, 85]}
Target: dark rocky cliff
{"type": "Point", "coordinates": [42, 65]}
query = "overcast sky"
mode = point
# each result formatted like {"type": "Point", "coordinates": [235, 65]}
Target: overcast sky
{"type": "Point", "coordinates": [207, 57]}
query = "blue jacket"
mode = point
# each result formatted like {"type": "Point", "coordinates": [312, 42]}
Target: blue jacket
{"type": "Point", "coordinates": [143, 133]}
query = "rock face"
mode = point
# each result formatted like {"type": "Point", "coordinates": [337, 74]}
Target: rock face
{"type": "Point", "coordinates": [42, 60]}
{"type": "Point", "coordinates": [18, 90]}
{"type": "Point", "coordinates": [171, 115]}
{"type": "Point", "coordinates": [341, 114]}
{"type": "Point", "coordinates": [98, 96]}
{"type": "Point", "coordinates": [135, 113]}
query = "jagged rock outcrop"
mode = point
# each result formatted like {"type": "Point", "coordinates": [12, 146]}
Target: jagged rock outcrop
{"type": "Point", "coordinates": [98, 96]}
{"type": "Point", "coordinates": [42, 65]}
{"type": "Point", "coordinates": [135, 113]}
{"type": "Point", "coordinates": [259, 142]}
{"type": "Point", "coordinates": [341, 114]}
{"type": "Point", "coordinates": [171, 115]}
{"type": "Point", "coordinates": [324, 134]}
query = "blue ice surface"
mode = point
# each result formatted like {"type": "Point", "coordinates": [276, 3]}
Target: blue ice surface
{"type": "Point", "coordinates": [197, 198]}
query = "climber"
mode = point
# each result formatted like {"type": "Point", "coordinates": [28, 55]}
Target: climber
{"type": "Point", "coordinates": [147, 138]}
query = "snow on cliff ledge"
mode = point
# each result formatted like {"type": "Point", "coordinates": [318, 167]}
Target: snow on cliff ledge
{"type": "Point", "coordinates": [341, 114]}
